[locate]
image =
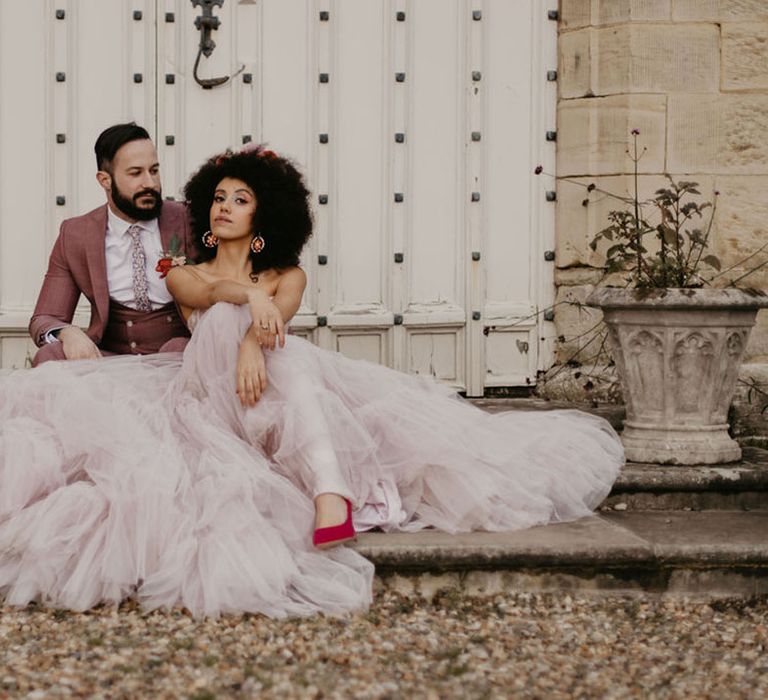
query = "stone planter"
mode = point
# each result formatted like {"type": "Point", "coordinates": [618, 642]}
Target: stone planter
{"type": "Point", "coordinates": [678, 353]}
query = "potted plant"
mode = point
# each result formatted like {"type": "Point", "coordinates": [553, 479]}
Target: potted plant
{"type": "Point", "coordinates": [677, 339]}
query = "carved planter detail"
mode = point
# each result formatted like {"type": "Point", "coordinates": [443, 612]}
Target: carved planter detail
{"type": "Point", "coordinates": [678, 353]}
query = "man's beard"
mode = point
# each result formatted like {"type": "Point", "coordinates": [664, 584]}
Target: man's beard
{"type": "Point", "coordinates": [129, 207]}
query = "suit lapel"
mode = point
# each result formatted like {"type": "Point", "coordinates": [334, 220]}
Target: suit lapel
{"type": "Point", "coordinates": [97, 259]}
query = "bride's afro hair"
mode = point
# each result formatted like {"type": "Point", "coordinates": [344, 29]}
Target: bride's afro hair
{"type": "Point", "coordinates": [282, 217]}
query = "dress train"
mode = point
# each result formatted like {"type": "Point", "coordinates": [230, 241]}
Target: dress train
{"type": "Point", "coordinates": [144, 477]}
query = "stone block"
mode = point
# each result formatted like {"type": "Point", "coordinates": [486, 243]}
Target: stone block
{"type": "Point", "coordinates": [574, 64]}
{"type": "Point", "coordinates": [741, 227]}
{"type": "Point", "coordinates": [757, 347]}
{"type": "Point", "coordinates": [745, 56]}
{"type": "Point", "coordinates": [577, 223]}
{"type": "Point", "coordinates": [575, 14]}
{"type": "Point", "coordinates": [579, 328]}
{"type": "Point", "coordinates": [695, 10]}
{"type": "Point", "coordinates": [743, 146]}
{"type": "Point", "coordinates": [573, 276]}
{"type": "Point", "coordinates": [721, 134]}
{"type": "Point", "coordinates": [593, 385]}
{"type": "Point", "coordinates": [694, 129]}
{"type": "Point", "coordinates": [594, 134]}
{"type": "Point", "coordinates": [656, 58]}
{"type": "Point", "coordinates": [615, 11]}
{"type": "Point", "coordinates": [718, 10]}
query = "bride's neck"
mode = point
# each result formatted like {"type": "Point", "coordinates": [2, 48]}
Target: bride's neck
{"type": "Point", "coordinates": [232, 259]}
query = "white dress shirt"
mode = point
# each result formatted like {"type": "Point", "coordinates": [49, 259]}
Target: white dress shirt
{"type": "Point", "coordinates": [119, 261]}
{"type": "Point", "coordinates": [118, 251]}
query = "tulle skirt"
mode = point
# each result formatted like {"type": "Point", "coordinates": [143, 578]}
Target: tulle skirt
{"type": "Point", "coordinates": [144, 477]}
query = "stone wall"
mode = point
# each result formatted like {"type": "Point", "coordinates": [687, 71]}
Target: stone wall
{"type": "Point", "coordinates": [692, 76]}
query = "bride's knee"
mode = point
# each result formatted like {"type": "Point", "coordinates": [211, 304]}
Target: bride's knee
{"type": "Point", "coordinates": [225, 316]}
{"type": "Point", "coordinates": [224, 310]}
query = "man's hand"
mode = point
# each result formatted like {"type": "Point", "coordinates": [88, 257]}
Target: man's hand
{"type": "Point", "coordinates": [251, 370]}
{"type": "Point", "coordinates": [77, 345]}
{"type": "Point", "coordinates": [268, 323]}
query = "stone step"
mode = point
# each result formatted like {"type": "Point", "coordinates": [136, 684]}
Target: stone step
{"type": "Point", "coordinates": [738, 485]}
{"type": "Point", "coordinates": [710, 553]}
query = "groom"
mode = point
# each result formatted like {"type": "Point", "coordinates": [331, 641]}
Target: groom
{"type": "Point", "coordinates": [109, 255]}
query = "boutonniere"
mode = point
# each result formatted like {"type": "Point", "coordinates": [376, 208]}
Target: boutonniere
{"type": "Point", "coordinates": [172, 258]}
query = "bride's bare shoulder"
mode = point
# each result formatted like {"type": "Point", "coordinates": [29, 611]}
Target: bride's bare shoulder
{"type": "Point", "coordinates": [199, 270]}
{"type": "Point", "coordinates": [293, 275]}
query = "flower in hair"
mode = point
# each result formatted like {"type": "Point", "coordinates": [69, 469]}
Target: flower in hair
{"type": "Point", "coordinates": [223, 157]}
{"type": "Point", "coordinates": [258, 149]}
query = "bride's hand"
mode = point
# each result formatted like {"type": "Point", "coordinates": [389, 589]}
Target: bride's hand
{"type": "Point", "coordinates": [251, 371]}
{"type": "Point", "coordinates": [268, 323]}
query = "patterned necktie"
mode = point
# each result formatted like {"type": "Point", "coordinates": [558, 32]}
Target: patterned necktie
{"type": "Point", "coordinates": [139, 264]}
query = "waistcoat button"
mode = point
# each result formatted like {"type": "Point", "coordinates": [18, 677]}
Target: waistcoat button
{"type": "Point", "coordinates": [129, 324]}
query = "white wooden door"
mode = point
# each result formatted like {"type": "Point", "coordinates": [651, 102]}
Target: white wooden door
{"type": "Point", "coordinates": [418, 123]}
{"type": "Point", "coordinates": [67, 69]}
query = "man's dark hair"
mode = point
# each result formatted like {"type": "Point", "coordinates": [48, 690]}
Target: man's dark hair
{"type": "Point", "coordinates": [111, 140]}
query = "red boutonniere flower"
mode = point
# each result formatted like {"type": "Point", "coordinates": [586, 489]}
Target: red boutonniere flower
{"type": "Point", "coordinates": [173, 258]}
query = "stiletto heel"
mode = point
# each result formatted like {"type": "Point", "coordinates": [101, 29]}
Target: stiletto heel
{"type": "Point", "coordinates": [325, 537]}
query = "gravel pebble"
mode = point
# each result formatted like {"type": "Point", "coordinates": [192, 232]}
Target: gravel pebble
{"type": "Point", "coordinates": [549, 645]}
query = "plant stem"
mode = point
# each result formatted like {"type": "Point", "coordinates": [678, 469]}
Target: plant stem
{"type": "Point", "coordinates": [635, 160]}
{"type": "Point", "coordinates": [748, 273]}
{"type": "Point", "coordinates": [706, 238]}
{"type": "Point", "coordinates": [740, 262]}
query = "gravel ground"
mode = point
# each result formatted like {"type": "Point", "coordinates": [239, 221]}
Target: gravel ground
{"type": "Point", "coordinates": [516, 645]}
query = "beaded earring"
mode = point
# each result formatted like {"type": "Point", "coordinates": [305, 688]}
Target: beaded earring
{"type": "Point", "coordinates": [210, 240]}
{"type": "Point", "coordinates": [257, 244]}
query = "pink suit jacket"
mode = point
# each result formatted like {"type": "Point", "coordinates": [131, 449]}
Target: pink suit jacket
{"type": "Point", "coordinates": [78, 265]}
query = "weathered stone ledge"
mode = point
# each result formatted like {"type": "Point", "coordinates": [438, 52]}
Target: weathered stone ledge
{"type": "Point", "coordinates": [750, 474]}
{"type": "Point", "coordinates": [722, 553]}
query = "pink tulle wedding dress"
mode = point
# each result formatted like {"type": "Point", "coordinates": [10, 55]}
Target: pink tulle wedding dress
{"type": "Point", "coordinates": [144, 477]}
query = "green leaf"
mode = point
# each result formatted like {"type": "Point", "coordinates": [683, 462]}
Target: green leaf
{"type": "Point", "coordinates": [667, 233]}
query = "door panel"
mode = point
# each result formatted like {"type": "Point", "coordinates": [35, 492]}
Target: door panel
{"type": "Point", "coordinates": [417, 123]}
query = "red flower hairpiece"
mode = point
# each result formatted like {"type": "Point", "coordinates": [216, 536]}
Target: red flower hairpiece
{"type": "Point", "coordinates": [224, 156]}
{"type": "Point", "coordinates": [258, 150]}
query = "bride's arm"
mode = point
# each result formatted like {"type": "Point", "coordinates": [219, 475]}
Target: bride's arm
{"type": "Point", "coordinates": [190, 290]}
{"type": "Point", "coordinates": [251, 373]}
{"type": "Point", "coordinates": [290, 289]}
{"type": "Point", "coordinates": [251, 367]}
{"type": "Point", "coordinates": [269, 316]}
{"type": "Point", "coordinates": [269, 319]}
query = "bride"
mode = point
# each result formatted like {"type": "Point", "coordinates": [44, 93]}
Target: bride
{"type": "Point", "coordinates": [216, 480]}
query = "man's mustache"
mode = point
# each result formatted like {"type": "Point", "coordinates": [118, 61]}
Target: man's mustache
{"type": "Point", "coordinates": [148, 192]}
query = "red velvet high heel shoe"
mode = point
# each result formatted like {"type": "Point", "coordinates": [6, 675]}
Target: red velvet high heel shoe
{"type": "Point", "coordinates": [325, 537]}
